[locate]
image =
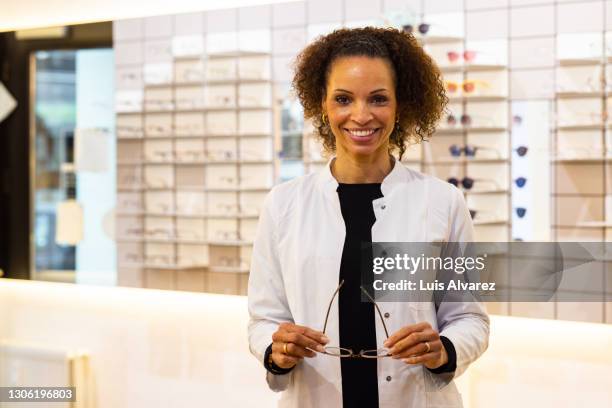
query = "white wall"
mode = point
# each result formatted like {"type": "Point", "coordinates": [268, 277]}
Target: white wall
{"type": "Point", "coordinates": [44, 13]}
{"type": "Point", "coordinates": [153, 348]}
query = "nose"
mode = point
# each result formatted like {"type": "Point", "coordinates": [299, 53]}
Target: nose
{"type": "Point", "coordinates": [361, 113]}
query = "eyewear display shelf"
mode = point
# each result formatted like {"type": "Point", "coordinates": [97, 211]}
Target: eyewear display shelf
{"type": "Point", "coordinates": [195, 162]}
{"type": "Point", "coordinates": [582, 157]}
{"type": "Point", "coordinates": [471, 147]}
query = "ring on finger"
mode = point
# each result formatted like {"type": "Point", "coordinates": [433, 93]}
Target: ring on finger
{"type": "Point", "coordinates": [428, 347]}
{"type": "Point", "coordinates": [285, 348]}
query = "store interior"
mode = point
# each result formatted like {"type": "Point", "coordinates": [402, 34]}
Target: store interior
{"type": "Point", "coordinates": [137, 149]}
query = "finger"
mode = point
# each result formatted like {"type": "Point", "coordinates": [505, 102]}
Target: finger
{"type": "Point", "coordinates": [299, 339]}
{"type": "Point", "coordinates": [292, 350]}
{"type": "Point", "coordinates": [284, 361]}
{"type": "Point", "coordinates": [419, 349]}
{"type": "Point", "coordinates": [433, 356]}
{"type": "Point", "coordinates": [315, 335]}
{"type": "Point", "coordinates": [404, 332]}
{"type": "Point", "coordinates": [413, 339]}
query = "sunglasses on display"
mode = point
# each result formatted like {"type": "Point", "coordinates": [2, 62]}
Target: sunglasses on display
{"type": "Point", "coordinates": [467, 55]}
{"type": "Point", "coordinates": [423, 28]}
{"type": "Point", "coordinates": [469, 150]}
{"type": "Point", "coordinates": [521, 211]}
{"type": "Point", "coordinates": [521, 150]}
{"type": "Point", "coordinates": [467, 86]}
{"type": "Point", "coordinates": [468, 182]}
{"type": "Point", "coordinates": [520, 182]}
{"type": "Point", "coordinates": [467, 120]}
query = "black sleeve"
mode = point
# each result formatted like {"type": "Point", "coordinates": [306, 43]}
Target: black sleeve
{"type": "Point", "coordinates": [273, 368]}
{"type": "Point", "coordinates": [451, 365]}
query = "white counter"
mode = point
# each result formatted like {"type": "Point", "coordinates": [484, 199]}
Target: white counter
{"type": "Point", "coordinates": [165, 349]}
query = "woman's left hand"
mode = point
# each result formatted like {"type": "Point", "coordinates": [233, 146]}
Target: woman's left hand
{"type": "Point", "coordinates": [410, 344]}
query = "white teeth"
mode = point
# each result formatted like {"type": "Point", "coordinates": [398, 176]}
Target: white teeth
{"type": "Point", "coordinates": [362, 133]}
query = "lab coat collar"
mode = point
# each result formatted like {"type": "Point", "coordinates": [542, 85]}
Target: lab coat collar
{"type": "Point", "coordinates": [330, 185]}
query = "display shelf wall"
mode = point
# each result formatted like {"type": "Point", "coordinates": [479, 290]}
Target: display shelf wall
{"type": "Point", "coordinates": [196, 149]}
{"type": "Point", "coordinates": [526, 88]}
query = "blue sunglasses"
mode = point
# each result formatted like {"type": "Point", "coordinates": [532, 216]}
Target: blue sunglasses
{"type": "Point", "coordinates": [521, 211]}
{"type": "Point", "coordinates": [520, 181]}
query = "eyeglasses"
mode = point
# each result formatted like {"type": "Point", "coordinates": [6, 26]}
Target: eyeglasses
{"type": "Point", "coordinates": [468, 182]}
{"type": "Point", "coordinates": [468, 86]}
{"type": "Point", "coordinates": [468, 55]}
{"type": "Point", "coordinates": [520, 182]}
{"type": "Point", "coordinates": [345, 352]}
{"type": "Point", "coordinates": [423, 28]}
{"type": "Point", "coordinates": [469, 150]}
{"type": "Point", "coordinates": [466, 120]}
{"type": "Point", "coordinates": [521, 150]}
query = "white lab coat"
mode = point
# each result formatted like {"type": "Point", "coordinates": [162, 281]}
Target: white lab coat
{"type": "Point", "coordinates": [295, 270]}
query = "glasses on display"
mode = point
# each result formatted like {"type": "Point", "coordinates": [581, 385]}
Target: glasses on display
{"type": "Point", "coordinates": [521, 150]}
{"type": "Point", "coordinates": [159, 233]}
{"type": "Point", "coordinates": [136, 232]}
{"type": "Point", "coordinates": [467, 86]}
{"type": "Point", "coordinates": [468, 182]}
{"type": "Point", "coordinates": [467, 55]}
{"type": "Point", "coordinates": [343, 352]}
{"type": "Point", "coordinates": [129, 131]}
{"type": "Point", "coordinates": [468, 150]}
{"type": "Point", "coordinates": [227, 235]}
{"type": "Point", "coordinates": [189, 103]}
{"type": "Point", "coordinates": [520, 182]}
{"type": "Point", "coordinates": [159, 259]}
{"type": "Point", "coordinates": [128, 105]}
{"type": "Point", "coordinates": [220, 154]}
{"type": "Point", "coordinates": [159, 104]}
{"type": "Point", "coordinates": [468, 120]}
{"type": "Point", "coordinates": [422, 28]}
{"type": "Point", "coordinates": [158, 130]}
{"type": "Point", "coordinates": [521, 211]}
{"type": "Point", "coordinates": [190, 156]}
{"type": "Point", "coordinates": [158, 183]}
{"type": "Point", "coordinates": [160, 156]}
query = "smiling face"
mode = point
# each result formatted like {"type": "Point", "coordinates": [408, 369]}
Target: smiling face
{"type": "Point", "coordinates": [361, 106]}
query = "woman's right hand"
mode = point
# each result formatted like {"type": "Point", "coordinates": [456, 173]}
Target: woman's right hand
{"type": "Point", "coordinates": [291, 343]}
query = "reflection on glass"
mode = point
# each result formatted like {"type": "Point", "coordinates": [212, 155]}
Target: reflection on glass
{"type": "Point", "coordinates": [55, 113]}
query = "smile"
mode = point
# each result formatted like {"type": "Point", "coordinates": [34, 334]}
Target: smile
{"type": "Point", "coordinates": [361, 132]}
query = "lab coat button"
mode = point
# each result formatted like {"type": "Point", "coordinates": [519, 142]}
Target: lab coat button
{"type": "Point", "coordinates": [388, 378]}
{"type": "Point", "coordinates": [387, 315]}
{"type": "Point", "coordinates": [382, 207]}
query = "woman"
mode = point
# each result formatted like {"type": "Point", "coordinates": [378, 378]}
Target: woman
{"type": "Point", "coordinates": [369, 91]}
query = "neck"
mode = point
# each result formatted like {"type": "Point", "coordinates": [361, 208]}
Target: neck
{"type": "Point", "coordinates": [351, 169]}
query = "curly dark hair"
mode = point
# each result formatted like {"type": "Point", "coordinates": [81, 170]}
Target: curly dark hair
{"type": "Point", "coordinates": [419, 89]}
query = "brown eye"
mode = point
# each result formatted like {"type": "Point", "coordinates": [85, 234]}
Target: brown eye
{"type": "Point", "coordinates": [342, 100]}
{"type": "Point", "coordinates": [379, 99]}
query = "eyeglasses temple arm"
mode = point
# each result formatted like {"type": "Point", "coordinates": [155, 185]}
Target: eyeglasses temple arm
{"type": "Point", "coordinates": [377, 309]}
{"type": "Point", "coordinates": [330, 304]}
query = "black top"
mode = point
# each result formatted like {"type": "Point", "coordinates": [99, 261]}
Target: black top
{"type": "Point", "coordinates": [357, 319]}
